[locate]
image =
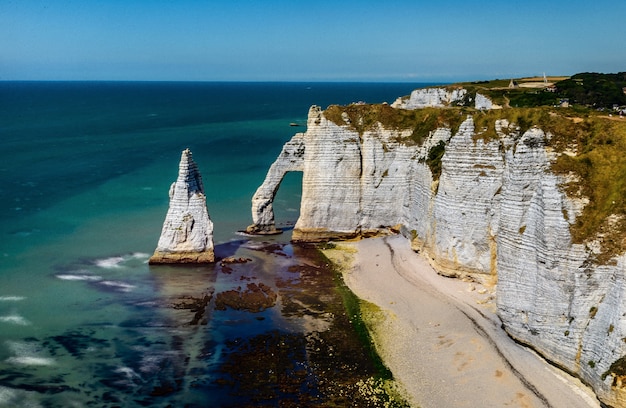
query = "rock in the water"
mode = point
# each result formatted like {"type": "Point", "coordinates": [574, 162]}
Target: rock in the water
{"type": "Point", "coordinates": [187, 235]}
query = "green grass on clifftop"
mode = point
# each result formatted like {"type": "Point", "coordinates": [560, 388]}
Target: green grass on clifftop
{"type": "Point", "coordinates": [364, 117]}
{"type": "Point", "coordinates": [600, 171]}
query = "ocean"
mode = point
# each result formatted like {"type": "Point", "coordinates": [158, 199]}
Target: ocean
{"type": "Point", "coordinates": [85, 169]}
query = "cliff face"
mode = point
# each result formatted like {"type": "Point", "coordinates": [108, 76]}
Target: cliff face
{"type": "Point", "coordinates": [187, 234]}
{"type": "Point", "coordinates": [429, 97]}
{"type": "Point", "coordinates": [496, 212]}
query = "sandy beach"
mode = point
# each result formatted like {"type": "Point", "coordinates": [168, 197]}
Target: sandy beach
{"type": "Point", "coordinates": [442, 339]}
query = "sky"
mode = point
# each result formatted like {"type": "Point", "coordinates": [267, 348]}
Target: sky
{"type": "Point", "coordinates": [321, 40]}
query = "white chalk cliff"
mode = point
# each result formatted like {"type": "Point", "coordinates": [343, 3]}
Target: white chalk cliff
{"type": "Point", "coordinates": [496, 212]}
{"type": "Point", "coordinates": [430, 97]}
{"type": "Point", "coordinates": [187, 234]}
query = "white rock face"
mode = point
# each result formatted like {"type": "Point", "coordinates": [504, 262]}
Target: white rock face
{"type": "Point", "coordinates": [331, 166]}
{"type": "Point", "coordinates": [482, 102]}
{"type": "Point", "coordinates": [430, 97]}
{"type": "Point", "coordinates": [367, 175]}
{"type": "Point", "coordinates": [496, 213]}
{"type": "Point", "coordinates": [549, 295]}
{"type": "Point", "coordinates": [466, 208]}
{"type": "Point", "coordinates": [187, 234]}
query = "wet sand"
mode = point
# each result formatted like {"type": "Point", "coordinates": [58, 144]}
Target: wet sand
{"type": "Point", "coordinates": [442, 339]}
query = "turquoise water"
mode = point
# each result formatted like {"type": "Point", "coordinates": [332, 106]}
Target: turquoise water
{"type": "Point", "coordinates": [84, 173]}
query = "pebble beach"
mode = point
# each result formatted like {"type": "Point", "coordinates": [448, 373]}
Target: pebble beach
{"type": "Point", "coordinates": [441, 337]}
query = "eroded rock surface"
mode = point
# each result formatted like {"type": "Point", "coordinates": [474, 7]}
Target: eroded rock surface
{"type": "Point", "coordinates": [430, 97]}
{"type": "Point", "coordinates": [187, 234]}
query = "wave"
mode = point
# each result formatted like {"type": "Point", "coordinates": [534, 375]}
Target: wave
{"type": "Point", "coordinates": [121, 286]}
{"type": "Point", "coordinates": [17, 398]}
{"type": "Point", "coordinates": [14, 319]}
{"type": "Point", "coordinates": [128, 372]}
{"type": "Point", "coordinates": [27, 353]}
{"type": "Point", "coordinates": [150, 363]}
{"type": "Point", "coordinates": [30, 360]}
{"type": "Point", "coordinates": [10, 397]}
{"type": "Point", "coordinates": [110, 263]}
{"type": "Point", "coordinates": [97, 280]}
{"type": "Point", "coordinates": [7, 395]}
{"type": "Point", "coordinates": [79, 277]}
{"type": "Point", "coordinates": [254, 245]}
{"type": "Point", "coordinates": [115, 262]}
{"type": "Point", "coordinates": [11, 298]}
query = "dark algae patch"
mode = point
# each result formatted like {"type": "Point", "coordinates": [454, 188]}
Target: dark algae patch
{"type": "Point", "coordinates": [329, 361]}
{"type": "Point", "coordinates": [353, 309]}
{"type": "Point", "coordinates": [254, 298]}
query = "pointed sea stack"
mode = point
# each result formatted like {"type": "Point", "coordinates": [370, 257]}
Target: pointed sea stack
{"type": "Point", "coordinates": [187, 235]}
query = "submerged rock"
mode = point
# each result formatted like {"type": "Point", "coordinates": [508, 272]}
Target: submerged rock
{"type": "Point", "coordinates": [255, 298]}
{"type": "Point", "coordinates": [187, 235]}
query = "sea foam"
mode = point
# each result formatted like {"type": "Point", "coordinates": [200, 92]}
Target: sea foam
{"type": "Point", "coordinates": [79, 277]}
{"type": "Point", "coordinates": [128, 372]}
{"type": "Point", "coordinates": [27, 354]}
{"type": "Point", "coordinates": [30, 360]}
{"type": "Point", "coordinates": [11, 298]}
{"type": "Point", "coordinates": [14, 319]}
{"type": "Point", "coordinates": [121, 286]}
{"type": "Point", "coordinates": [7, 396]}
{"type": "Point", "coordinates": [110, 263]}
{"type": "Point", "coordinates": [14, 398]}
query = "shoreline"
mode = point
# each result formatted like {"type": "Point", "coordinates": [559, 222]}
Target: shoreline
{"type": "Point", "coordinates": [441, 337]}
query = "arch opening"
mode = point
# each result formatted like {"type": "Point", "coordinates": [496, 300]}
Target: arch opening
{"type": "Point", "coordinates": [287, 201]}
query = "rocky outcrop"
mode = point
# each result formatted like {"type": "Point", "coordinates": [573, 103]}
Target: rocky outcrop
{"type": "Point", "coordinates": [430, 97]}
{"type": "Point", "coordinates": [187, 234]}
{"type": "Point", "coordinates": [443, 97]}
{"type": "Point", "coordinates": [482, 102]}
{"type": "Point", "coordinates": [496, 212]}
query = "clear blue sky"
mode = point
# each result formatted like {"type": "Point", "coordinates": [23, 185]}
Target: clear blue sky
{"type": "Point", "coordinates": [275, 40]}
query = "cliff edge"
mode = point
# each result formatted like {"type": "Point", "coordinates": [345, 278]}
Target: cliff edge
{"type": "Point", "coordinates": [509, 196]}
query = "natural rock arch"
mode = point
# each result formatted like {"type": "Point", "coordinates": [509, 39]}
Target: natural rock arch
{"type": "Point", "coordinates": [291, 159]}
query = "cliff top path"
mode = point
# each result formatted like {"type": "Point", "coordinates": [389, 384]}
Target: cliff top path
{"type": "Point", "coordinates": [442, 339]}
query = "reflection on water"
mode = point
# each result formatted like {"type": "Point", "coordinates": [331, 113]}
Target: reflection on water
{"type": "Point", "coordinates": [269, 325]}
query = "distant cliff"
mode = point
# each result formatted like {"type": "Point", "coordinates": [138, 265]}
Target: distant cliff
{"type": "Point", "coordinates": [529, 198]}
